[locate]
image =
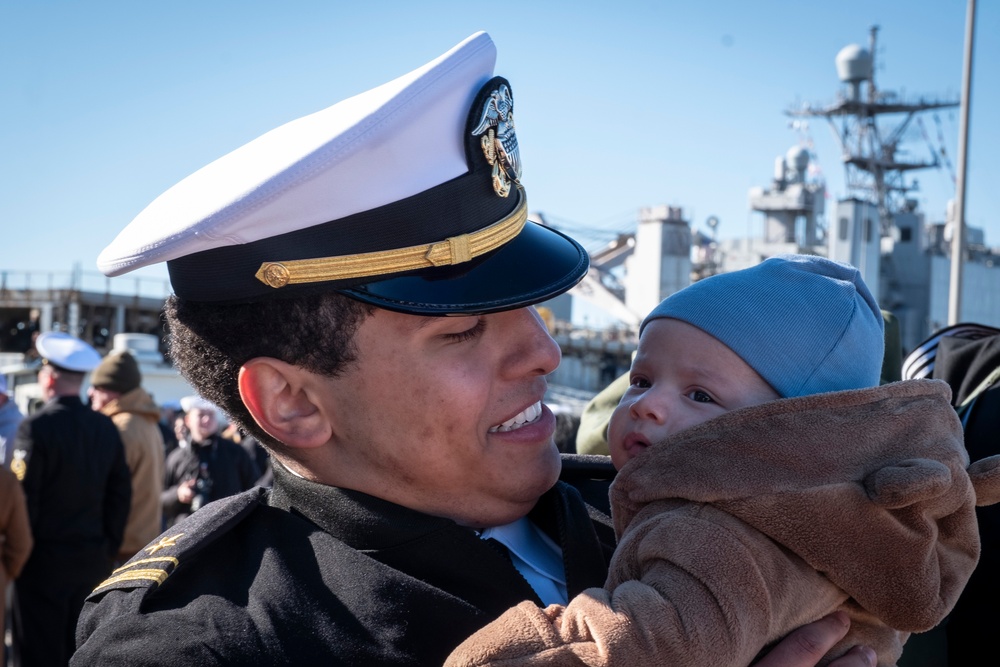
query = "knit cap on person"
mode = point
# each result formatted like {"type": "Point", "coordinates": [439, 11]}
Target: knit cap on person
{"type": "Point", "coordinates": [806, 324]}
{"type": "Point", "coordinates": [117, 372]}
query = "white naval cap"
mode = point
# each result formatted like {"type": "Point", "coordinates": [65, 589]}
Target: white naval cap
{"type": "Point", "coordinates": [407, 196]}
{"type": "Point", "coordinates": [195, 402]}
{"type": "Point", "coordinates": [67, 352]}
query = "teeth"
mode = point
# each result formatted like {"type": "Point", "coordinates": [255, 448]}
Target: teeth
{"type": "Point", "coordinates": [529, 415]}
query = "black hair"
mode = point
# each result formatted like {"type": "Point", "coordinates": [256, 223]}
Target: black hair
{"type": "Point", "coordinates": [209, 342]}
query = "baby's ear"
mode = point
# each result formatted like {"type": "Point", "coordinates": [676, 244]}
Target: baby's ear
{"type": "Point", "coordinates": [908, 482]}
{"type": "Point", "coordinates": [985, 475]}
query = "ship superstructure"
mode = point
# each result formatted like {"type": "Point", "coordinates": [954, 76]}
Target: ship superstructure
{"type": "Point", "coordinates": [876, 226]}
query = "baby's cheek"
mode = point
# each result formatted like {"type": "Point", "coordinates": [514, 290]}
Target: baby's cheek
{"type": "Point", "coordinates": [615, 435]}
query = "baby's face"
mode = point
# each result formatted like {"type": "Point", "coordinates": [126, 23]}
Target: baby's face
{"type": "Point", "coordinates": [681, 377]}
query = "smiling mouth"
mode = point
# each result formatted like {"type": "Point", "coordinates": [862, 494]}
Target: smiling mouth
{"type": "Point", "coordinates": [527, 416]}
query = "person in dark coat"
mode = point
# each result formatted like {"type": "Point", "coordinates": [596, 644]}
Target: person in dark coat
{"type": "Point", "coordinates": [71, 463]}
{"type": "Point", "coordinates": [166, 426]}
{"type": "Point", "coordinates": [258, 452]}
{"type": "Point", "coordinates": [966, 355]}
{"type": "Point", "coordinates": [205, 466]}
{"type": "Point", "coordinates": [416, 489]}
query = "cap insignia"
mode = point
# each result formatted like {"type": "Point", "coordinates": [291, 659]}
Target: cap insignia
{"type": "Point", "coordinates": [496, 125]}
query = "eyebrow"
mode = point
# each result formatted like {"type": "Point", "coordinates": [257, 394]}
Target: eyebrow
{"type": "Point", "coordinates": [427, 320]}
{"type": "Point", "coordinates": [424, 321]}
{"type": "Point", "coordinates": [705, 373]}
{"type": "Point", "coordinates": [700, 373]}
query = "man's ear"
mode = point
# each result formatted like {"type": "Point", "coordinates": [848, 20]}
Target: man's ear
{"type": "Point", "coordinates": [279, 396]}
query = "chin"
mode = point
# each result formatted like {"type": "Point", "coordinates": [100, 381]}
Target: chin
{"type": "Point", "coordinates": [543, 477]}
{"type": "Point", "coordinates": [498, 516]}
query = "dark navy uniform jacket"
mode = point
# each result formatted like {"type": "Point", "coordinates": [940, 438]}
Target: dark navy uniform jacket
{"type": "Point", "coordinates": [71, 463]}
{"type": "Point", "coordinates": [312, 574]}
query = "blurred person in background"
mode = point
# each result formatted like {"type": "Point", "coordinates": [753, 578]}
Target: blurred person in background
{"type": "Point", "coordinates": [205, 466]}
{"type": "Point", "coordinates": [258, 453]}
{"type": "Point", "coordinates": [10, 417]}
{"type": "Point", "coordinates": [166, 425]}
{"type": "Point", "coordinates": [15, 537]}
{"type": "Point", "coordinates": [115, 391]}
{"type": "Point", "coordinates": [71, 464]}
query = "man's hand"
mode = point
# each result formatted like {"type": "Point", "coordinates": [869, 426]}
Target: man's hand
{"type": "Point", "coordinates": [185, 491]}
{"type": "Point", "coordinates": [805, 646]}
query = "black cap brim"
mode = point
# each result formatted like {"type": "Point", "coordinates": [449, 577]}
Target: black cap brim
{"type": "Point", "coordinates": [538, 264]}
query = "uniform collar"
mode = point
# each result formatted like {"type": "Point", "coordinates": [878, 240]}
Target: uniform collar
{"type": "Point", "coordinates": [358, 519]}
{"type": "Point", "coordinates": [378, 527]}
{"type": "Point", "coordinates": [536, 557]}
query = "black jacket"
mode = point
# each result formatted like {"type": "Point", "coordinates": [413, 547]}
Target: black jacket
{"type": "Point", "coordinates": [228, 470]}
{"type": "Point", "coordinates": [74, 476]}
{"type": "Point", "coordinates": [312, 574]}
{"type": "Point", "coordinates": [965, 364]}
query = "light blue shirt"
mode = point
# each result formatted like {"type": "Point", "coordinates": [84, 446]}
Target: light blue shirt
{"type": "Point", "coordinates": [536, 557]}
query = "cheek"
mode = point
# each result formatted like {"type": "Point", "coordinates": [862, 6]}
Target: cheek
{"type": "Point", "coordinates": [619, 418]}
{"type": "Point", "coordinates": [431, 408]}
{"type": "Point", "coordinates": [614, 434]}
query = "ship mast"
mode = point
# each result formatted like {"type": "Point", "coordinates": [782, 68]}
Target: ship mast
{"type": "Point", "coordinates": [874, 171]}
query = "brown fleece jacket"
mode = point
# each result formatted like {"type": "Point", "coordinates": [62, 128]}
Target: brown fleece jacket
{"type": "Point", "coordinates": [135, 414]}
{"type": "Point", "coordinates": [738, 530]}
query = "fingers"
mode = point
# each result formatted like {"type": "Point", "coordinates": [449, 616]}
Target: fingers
{"type": "Point", "coordinates": [859, 656]}
{"type": "Point", "coordinates": [805, 646]}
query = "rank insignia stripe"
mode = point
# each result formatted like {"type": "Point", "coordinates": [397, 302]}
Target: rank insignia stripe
{"type": "Point", "coordinates": [131, 572]}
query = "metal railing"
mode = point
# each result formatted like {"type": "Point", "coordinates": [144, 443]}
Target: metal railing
{"type": "Point", "coordinates": [78, 280]}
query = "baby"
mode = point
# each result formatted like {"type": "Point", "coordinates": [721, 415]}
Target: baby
{"type": "Point", "coordinates": [766, 480]}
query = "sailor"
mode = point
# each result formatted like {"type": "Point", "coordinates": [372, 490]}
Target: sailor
{"type": "Point", "coordinates": [354, 289]}
{"type": "Point", "coordinates": [71, 464]}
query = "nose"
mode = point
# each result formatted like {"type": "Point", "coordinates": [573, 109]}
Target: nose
{"type": "Point", "coordinates": [649, 405]}
{"type": "Point", "coordinates": [532, 350]}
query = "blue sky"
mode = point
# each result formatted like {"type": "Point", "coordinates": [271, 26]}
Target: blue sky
{"type": "Point", "coordinates": [620, 105]}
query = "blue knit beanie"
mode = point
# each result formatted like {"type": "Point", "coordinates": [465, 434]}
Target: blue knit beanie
{"type": "Point", "coordinates": [806, 324]}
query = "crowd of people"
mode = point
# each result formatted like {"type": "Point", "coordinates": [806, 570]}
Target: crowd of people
{"type": "Point", "coordinates": [88, 485]}
{"type": "Point", "coordinates": [354, 291]}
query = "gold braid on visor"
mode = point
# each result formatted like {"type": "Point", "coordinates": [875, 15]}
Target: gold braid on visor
{"type": "Point", "coordinates": [453, 250]}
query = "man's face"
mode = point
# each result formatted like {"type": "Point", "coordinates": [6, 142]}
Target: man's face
{"type": "Point", "coordinates": [444, 414]}
{"type": "Point", "coordinates": [680, 377]}
{"type": "Point", "coordinates": [47, 380]}
{"type": "Point", "coordinates": [202, 424]}
{"type": "Point", "coordinates": [100, 397]}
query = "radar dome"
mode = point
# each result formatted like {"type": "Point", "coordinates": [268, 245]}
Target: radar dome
{"type": "Point", "coordinates": [797, 158]}
{"type": "Point", "coordinates": [854, 63]}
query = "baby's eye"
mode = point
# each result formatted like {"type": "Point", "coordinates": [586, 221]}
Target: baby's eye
{"type": "Point", "coordinates": [698, 396]}
{"type": "Point", "coordinates": [640, 382]}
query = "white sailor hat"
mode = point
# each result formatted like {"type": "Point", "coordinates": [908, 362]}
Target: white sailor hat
{"type": "Point", "coordinates": [67, 352]}
{"type": "Point", "coordinates": [407, 197]}
{"type": "Point", "coordinates": [195, 402]}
